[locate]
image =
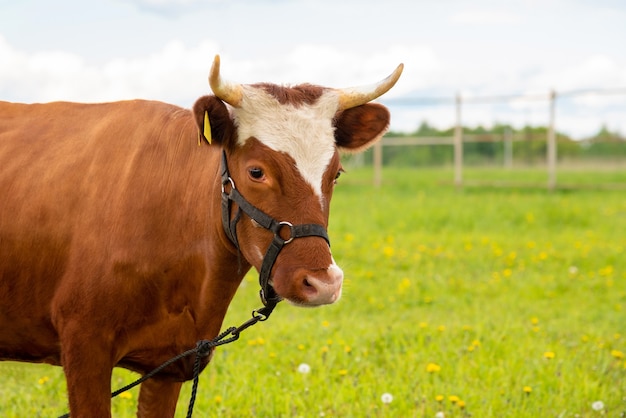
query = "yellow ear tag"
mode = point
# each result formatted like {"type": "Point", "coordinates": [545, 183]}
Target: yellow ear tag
{"type": "Point", "coordinates": [207, 127]}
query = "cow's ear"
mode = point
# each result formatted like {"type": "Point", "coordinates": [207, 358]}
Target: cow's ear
{"type": "Point", "coordinates": [213, 120]}
{"type": "Point", "coordinates": [358, 128]}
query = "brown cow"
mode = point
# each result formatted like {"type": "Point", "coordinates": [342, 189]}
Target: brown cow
{"type": "Point", "coordinates": [112, 247]}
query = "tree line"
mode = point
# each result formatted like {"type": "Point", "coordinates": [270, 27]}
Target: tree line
{"type": "Point", "coordinates": [488, 147]}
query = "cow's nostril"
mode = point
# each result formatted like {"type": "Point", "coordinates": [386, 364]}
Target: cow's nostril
{"type": "Point", "coordinates": [307, 283]}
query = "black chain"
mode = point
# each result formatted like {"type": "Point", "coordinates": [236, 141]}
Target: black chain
{"type": "Point", "coordinates": [201, 350]}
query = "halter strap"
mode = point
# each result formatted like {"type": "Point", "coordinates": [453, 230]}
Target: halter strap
{"type": "Point", "coordinates": [268, 294]}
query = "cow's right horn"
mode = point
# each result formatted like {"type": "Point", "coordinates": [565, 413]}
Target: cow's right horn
{"type": "Point", "coordinates": [356, 96]}
{"type": "Point", "coordinates": [229, 92]}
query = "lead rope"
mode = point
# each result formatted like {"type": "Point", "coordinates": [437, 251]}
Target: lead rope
{"type": "Point", "coordinates": [202, 349]}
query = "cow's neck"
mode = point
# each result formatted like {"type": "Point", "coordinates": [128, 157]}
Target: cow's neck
{"type": "Point", "coordinates": [224, 266]}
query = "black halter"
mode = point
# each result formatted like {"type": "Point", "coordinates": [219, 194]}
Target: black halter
{"type": "Point", "coordinates": [268, 294]}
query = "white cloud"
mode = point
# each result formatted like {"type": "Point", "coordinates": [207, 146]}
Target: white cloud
{"type": "Point", "coordinates": [177, 73]}
{"type": "Point", "coordinates": [173, 8]}
{"type": "Point", "coordinates": [485, 17]}
{"type": "Point", "coordinates": [596, 71]}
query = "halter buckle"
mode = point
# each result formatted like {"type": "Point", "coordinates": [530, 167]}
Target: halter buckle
{"type": "Point", "coordinates": [291, 231]}
{"type": "Point", "coordinates": [225, 182]}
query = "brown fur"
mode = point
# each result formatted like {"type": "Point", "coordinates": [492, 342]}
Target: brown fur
{"type": "Point", "coordinates": [112, 251]}
{"type": "Point", "coordinates": [297, 95]}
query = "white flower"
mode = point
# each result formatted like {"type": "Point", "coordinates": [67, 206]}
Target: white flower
{"type": "Point", "coordinates": [573, 270]}
{"type": "Point", "coordinates": [386, 398]}
{"type": "Point", "coordinates": [440, 414]}
{"type": "Point", "coordinates": [304, 368]}
{"type": "Point", "coordinates": [597, 406]}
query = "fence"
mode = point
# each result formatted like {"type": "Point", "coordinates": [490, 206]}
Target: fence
{"type": "Point", "coordinates": [458, 139]}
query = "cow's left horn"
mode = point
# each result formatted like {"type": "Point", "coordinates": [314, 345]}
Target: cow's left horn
{"type": "Point", "coordinates": [229, 92]}
{"type": "Point", "coordinates": [356, 96]}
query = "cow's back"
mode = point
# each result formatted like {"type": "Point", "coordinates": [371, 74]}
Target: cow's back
{"type": "Point", "coordinates": [91, 193]}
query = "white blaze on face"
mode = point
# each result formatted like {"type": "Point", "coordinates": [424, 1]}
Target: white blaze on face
{"type": "Point", "coordinates": [305, 132]}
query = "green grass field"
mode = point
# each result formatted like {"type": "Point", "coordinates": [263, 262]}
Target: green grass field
{"type": "Point", "coordinates": [481, 302]}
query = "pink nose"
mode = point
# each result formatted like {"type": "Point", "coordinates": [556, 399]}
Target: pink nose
{"type": "Point", "coordinates": [321, 287]}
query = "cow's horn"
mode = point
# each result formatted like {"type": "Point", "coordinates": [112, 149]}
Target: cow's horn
{"type": "Point", "coordinates": [356, 96]}
{"type": "Point", "coordinates": [229, 92]}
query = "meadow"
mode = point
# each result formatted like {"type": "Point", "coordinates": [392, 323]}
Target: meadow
{"type": "Point", "coordinates": [474, 302]}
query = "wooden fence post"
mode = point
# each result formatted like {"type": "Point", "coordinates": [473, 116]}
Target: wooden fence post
{"type": "Point", "coordinates": [378, 163]}
{"type": "Point", "coordinates": [551, 145]}
{"type": "Point", "coordinates": [508, 148]}
{"type": "Point", "coordinates": [458, 145]}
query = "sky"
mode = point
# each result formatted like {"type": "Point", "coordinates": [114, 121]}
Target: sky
{"type": "Point", "coordinates": [93, 51]}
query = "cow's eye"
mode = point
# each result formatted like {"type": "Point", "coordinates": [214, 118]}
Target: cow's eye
{"type": "Point", "coordinates": [338, 175]}
{"type": "Point", "coordinates": [256, 173]}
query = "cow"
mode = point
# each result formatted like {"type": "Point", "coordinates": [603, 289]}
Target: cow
{"type": "Point", "coordinates": [116, 248]}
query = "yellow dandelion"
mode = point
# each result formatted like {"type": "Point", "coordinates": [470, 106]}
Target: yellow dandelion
{"type": "Point", "coordinates": [347, 349]}
{"type": "Point", "coordinates": [549, 355]}
{"type": "Point", "coordinates": [512, 256]}
{"type": "Point", "coordinates": [343, 372]}
{"type": "Point", "coordinates": [218, 399]}
{"type": "Point", "coordinates": [534, 320]}
{"type": "Point", "coordinates": [404, 285]}
{"type": "Point", "coordinates": [126, 395]}
{"type": "Point", "coordinates": [423, 325]}
{"type": "Point", "coordinates": [324, 349]}
{"type": "Point", "coordinates": [272, 355]}
{"type": "Point", "coordinates": [348, 237]}
{"type": "Point", "coordinates": [606, 271]}
{"type": "Point", "coordinates": [461, 404]}
{"type": "Point", "coordinates": [617, 354]}
{"type": "Point", "coordinates": [441, 328]}
{"type": "Point", "coordinates": [388, 252]}
{"type": "Point", "coordinates": [439, 398]}
{"type": "Point", "coordinates": [453, 398]}
{"type": "Point", "coordinates": [43, 380]}
{"type": "Point", "coordinates": [300, 347]}
{"type": "Point", "coordinates": [433, 368]}
{"type": "Point", "coordinates": [325, 324]}
{"type": "Point", "coordinates": [527, 390]}
{"type": "Point", "coordinates": [584, 338]}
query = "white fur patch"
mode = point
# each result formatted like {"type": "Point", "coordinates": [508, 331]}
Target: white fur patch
{"type": "Point", "coordinates": [306, 132]}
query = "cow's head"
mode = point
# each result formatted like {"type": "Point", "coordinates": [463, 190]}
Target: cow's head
{"type": "Point", "coordinates": [283, 148]}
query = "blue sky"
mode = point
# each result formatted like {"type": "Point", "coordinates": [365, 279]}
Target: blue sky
{"type": "Point", "coordinates": [162, 49]}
